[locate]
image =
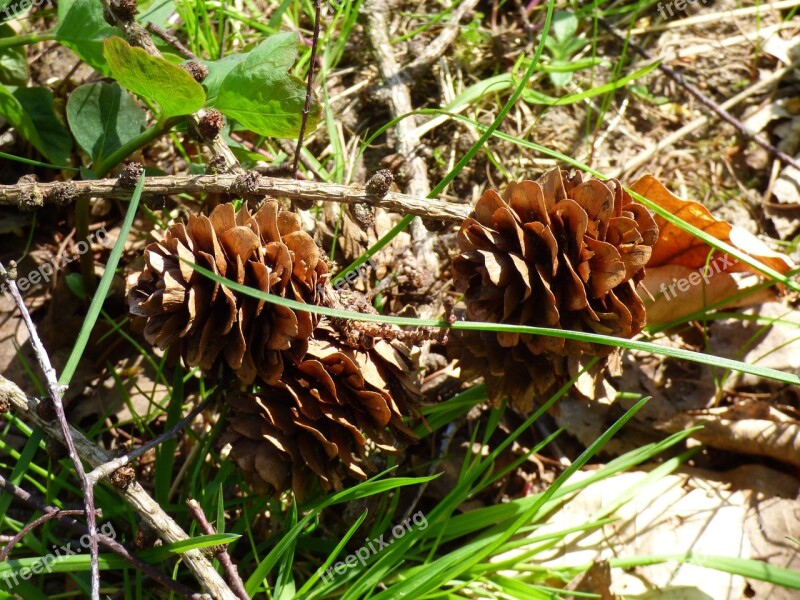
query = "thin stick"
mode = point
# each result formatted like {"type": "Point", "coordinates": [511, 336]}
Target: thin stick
{"type": "Point", "coordinates": [149, 510]}
{"type": "Point", "coordinates": [705, 100]}
{"type": "Point", "coordinates": [108, 468]}
{"type": "Point", "coordinates": [5, 552]}
{"type": "Point", "coordinates": [53, 193]}
{"type": "Point", "coordinates": [441, 43]}
{"type": "Point", "coordinates": [400, 105]}
{"type": "Point", "coordinates": [56, 393]}
{"type": "Point", "coordinates": [234, 580]}
{"type": "Point", "coordinates": [63, 516]}
{"type": "Point", "coordinates": [309, 89]}
{"type": "Point", "coordinates": [641, 158]}
{"type": "Point", "coordinates": [171, 40]}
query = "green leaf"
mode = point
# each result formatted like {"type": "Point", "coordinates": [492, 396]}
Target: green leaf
{"type": "Point", "coordinates": [217, 72]}
{"type": "Point", "coordinates": [260, 93]}
{"type": "Point", "coordinates": [82, 29]}
{"type": "Point", "coordinates": [565, 25]}
{"type": "Point", "coordinates": [38, 103]}
{"type": "Point", "coordinates": [560, 78]}
{"type": "Point", "coordinates": [13, 62]}
{"type": "Point", "coordinates": [175, 91]}
{"type": "Point", "coordinates": [12, 110]}
{"type": "Point", "coordinates": [103, 117]}
{"type": "Point", "coordinates": [28, 125]}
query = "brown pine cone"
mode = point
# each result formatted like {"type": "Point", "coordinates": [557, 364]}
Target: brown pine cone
{"type": "Point", "coordinates": [320, 419]}
{"type": "Point", "coordinates": [206, 321]}
{"type": "Point", "coordinates": [560, 253]}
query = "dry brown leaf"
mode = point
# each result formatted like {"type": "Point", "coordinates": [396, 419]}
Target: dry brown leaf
{"type": "Point", "coordinates": [687, 511]}
{"type": "Point", "coordinates": [669, 305]}
{"type": "Point", "coordinates": [677, 277]}
{"type": "Point", "coordinates": [678, 247]}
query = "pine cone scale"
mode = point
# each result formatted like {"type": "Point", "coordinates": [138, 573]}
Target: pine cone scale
{"type": "Point", "coordinates": [559, 252]}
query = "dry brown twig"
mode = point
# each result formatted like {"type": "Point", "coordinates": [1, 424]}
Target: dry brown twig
{"type": "Point", "coordinates": [56, 392]}
{"type": "Point", "coordinates": [644, 156]}
{"type": "Point", "coordinates": [703, 99]}
{"type": "Point", "coordinates": [408, 143]}
{"type": "Point", "coordinates": [108, 468]}
{"type": "Point", "coordinates": [64, 516]}
{"type": "Point", "coordinates": [152, 514]}
{"type": "Point", "coordinates": [235, 581]}
{"type": "Point", "coordinates": [11, 195]}
{"type": "Point", "coordinates": [442, 42]}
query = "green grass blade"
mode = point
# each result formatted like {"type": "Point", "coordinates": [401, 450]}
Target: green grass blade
{"type": "Point", "coordinates": [606, 340]}
{"type": "Point", "coordinates": [102, 289]}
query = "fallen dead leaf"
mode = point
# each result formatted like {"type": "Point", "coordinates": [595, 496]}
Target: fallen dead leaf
{"type": "Point", "coordinates": [685, 274]}
{"type": "Point", "coordinates": [696, 511]}
{"type": "Point", "coordinates": [669, 302]}
{"type": "Point", "coordinates": [678, 247]}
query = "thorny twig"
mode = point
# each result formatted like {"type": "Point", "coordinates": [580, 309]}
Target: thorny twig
{"type": "Point", "coordinates": [149, 510]}
{"type": "Point", "coordinates": [56, 393]}
{"type": "Point", "coordinates": [12, 195]}
{"type": "Point", "coordinates": [114, 546]}
{"type": "Point", "coordinates": [108, 468]}
{"type": "Point", "coordinates": [221, 552]}
{"type": "Point", "coordinates": [703, 99]}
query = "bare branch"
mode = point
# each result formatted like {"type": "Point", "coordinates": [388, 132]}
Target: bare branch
{"type": "Point", "coordinates": [11, 195]}
{"type": "Point", "coordinates": [408, 142]}
{"type": "Point", "coordinates": [57, 512]}
{"type": "Point", "coordinates": [108, 468]}
{"type": "Point", "coordinates": [151, 513]}
{"type": "Point", "coordinates": [114, 546]}
{"type": "Point", "coordinates": [309, 88]}
{"type": "Point", "coordinates": [705, 100]}
{"type": "Point", "coordinates": [221, 552]}
{"type": "Point", "coordinates": [56, 393]}
{"type": "Point", "coordinates": [442, 42]}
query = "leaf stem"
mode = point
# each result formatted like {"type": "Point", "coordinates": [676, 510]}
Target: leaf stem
{"type": "Point", "coordinates": [104, 166]}
{"type": "Point", "coordinates": [27, 39]}
{"type": "Point", "coordinates": [101, 169]}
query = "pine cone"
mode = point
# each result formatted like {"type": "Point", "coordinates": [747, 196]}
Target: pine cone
{"type": "Point", "coordinates": [560, 253]}
{"type": "Point", "coordinates": [206, 321]}
{"type": "Point", "coordinates": [317, 420]}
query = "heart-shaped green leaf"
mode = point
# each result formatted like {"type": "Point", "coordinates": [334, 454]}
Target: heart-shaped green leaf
{"type": "Point", "coordinates": [38, 103]}
{"type": "Point", "coordinates": [172, 88]}
{"type": "Point", "coordinates": [82, 29]}
{"type": "Point", "coordinates": [103, 117]}
{"type": "Point", "coordinates": [261, 94]}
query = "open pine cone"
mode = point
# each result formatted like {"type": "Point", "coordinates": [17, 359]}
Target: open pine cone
{"type": "Point", "coordinates": [560, 253]}
{"type": "Point", "coordinates": [207, 322]}
{"type": "Point", "coordinates": [317, 420]}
